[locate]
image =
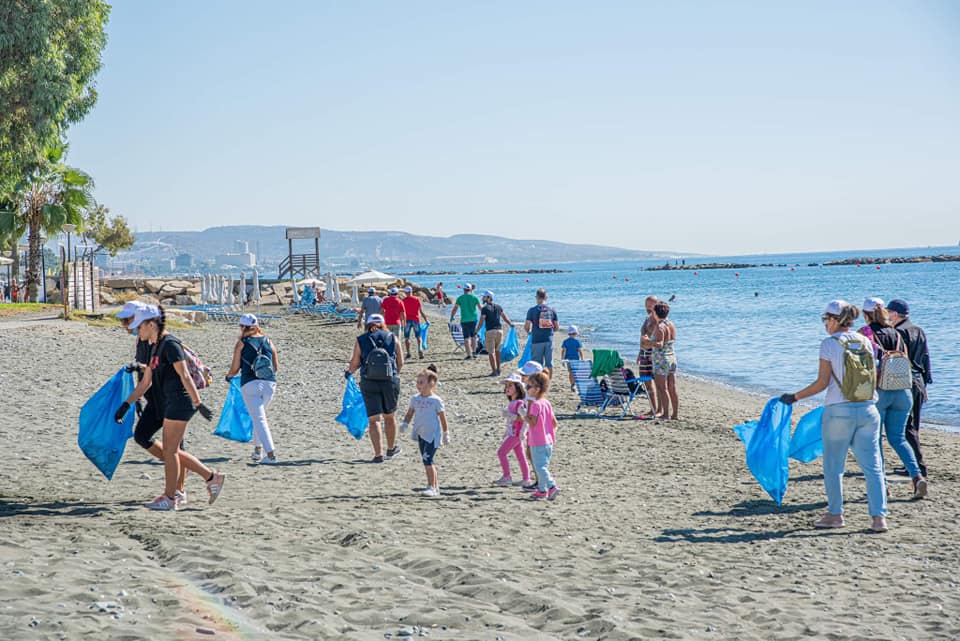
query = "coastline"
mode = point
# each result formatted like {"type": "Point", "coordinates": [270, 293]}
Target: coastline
{"type": "Point", "coordinates": [660, 530]}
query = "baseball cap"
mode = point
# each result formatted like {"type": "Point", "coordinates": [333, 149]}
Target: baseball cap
{"type": "Point", "coordinates": [468, 287]}
{"type": "Point", "coordinates": [488, 294]}
{"type": "Point", "coordinates": [249, 320]}
{"type": "Point", "coordinates": [145, 313]}
{"type": "Point", "coordinates": [835, 307]}
{"type": "Point", "coordinates": [512, 378]}
{"type": "Point", "coordinates": [408, 289]}
{"type": "Point", "coordinates": [371, 290]}
{"type": "Point", "coordinates": [529, 368]}
{"type": "Point", "coordinates": [573, 330]}
{"type": "Point", "coordinates": [899, 306]}
{"type": "Point", "coordinates": [393, 290]}
{"type": "Point", "coordinates": [870, 304]}
{"type": "Point", "coordinates": [374, 318]}
{"type": "Point", "coordinates": [129, 309]}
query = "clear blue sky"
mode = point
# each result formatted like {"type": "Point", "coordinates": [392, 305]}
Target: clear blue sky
{"type": "Point", "coordinates": [714, 127]}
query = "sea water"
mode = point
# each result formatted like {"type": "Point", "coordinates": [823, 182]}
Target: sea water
{"type": "Point", "coordinates": [756, 328]}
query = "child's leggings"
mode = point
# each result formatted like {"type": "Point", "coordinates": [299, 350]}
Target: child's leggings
{"type": "Point", "coordinates": [514, 444]}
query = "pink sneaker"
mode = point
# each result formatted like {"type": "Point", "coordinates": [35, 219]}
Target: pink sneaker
{"type": "Point", "coordinates": [552, 493]}
{"type": "Point", "coordinates": [539, 495]}
{"type": "Point", "coordinates": [215, 485]}
{"type": "Point", "coordinates": [162, 503]}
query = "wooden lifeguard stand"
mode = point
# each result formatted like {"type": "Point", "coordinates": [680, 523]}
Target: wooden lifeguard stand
{"type": "Point", "coordinates": [301, 265]}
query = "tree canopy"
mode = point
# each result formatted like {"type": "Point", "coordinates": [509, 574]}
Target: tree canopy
{"type": "Point", "coordinates": [110, 233]}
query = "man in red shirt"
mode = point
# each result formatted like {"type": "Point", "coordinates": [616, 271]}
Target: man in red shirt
{"type": "Point", "coordinates": [411, 308]}
{"type": "Point", "coordinates": [394, 316]}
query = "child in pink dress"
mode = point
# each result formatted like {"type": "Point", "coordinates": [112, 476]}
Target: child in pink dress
{"type": "Point", "coordinates": [513, 437]}
{"type": "Point", "coordinates": [542, 434]}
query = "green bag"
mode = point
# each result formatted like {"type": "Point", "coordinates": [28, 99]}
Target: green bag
{"type": "Point", "coordinates": [859, 371]}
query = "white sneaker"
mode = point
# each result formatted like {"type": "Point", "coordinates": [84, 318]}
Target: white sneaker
{"type": "Point", "coordinates": [215, 486]}
{"type": "Point", "coordinates": [162, 503]}
{"type": "Point", "coordinates": [181, 497]}
{"type": "Point", "coordinates": [503, 481]}
{"type": "Point", "coordinates": [269, 460]}
{"type": "Point", "coordinates": [431, 492]}
{"type": "Point", "coordinates": [257, 454]}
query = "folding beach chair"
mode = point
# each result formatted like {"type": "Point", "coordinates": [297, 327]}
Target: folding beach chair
{"type": "Point", "coordinates": [588, 388]}
{"type": "Point", "coordinates": [621, 391]}
{"type": "Point", "coordinates": [456, 333]}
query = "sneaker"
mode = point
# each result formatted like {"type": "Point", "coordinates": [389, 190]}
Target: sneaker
{"type": "Point", "coordinates": [421, 355]}
{"type": "Point", "coordinates": [919, 487]}
{"type": "Point", "coordinates": [431, 492]}
{"type": "Point", "coordinates": [523, 483]}
{"type": "Point", "coordinates": [162, 503]}
{"type": "Point", "coordinates": [269, 460]}
{"type": "Point", "coordinates": [378, 459]}
{"type": "Point", "coordinates": [215, 485]}
{"type": "Point", "coordinates": [257, 454]}
{"type": "Point", "coordinates": [573, 387]}
{"type": "Point", "coordinates": [503, 481]}
{"type": "Point", "coordinates": [181, 497]}
{"type": "Point", "coordinates": [409, 356]}
{"type": "Point", "coordinates": [467, 357]}
{"type": "Point", "coordinates": [394, 452]}
{"type": "Point", "coordinates": [901, 471]}
{"type": "Point", "coordinates": [538, 495]}
{"type": "Point", "coordinates": [529, 487]}
{"type": "Point", "coordinates": [552, 493]}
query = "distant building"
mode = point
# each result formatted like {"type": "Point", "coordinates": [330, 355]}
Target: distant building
{"type": "Point", "coordinates": [241, 247]}
{"type": "Point", "coordinates": [183, 261]}
{"type": "Point", "coordinates": [245, 259]}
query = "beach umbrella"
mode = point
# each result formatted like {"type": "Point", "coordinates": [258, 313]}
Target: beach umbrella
{"type": "Point", "coordinates": [371, 278]}
{"type": "Point", "coordinates": [316, 282]}
{"type": "Point", "coordinates": [354, 295]}
{"type": "Point", "coordinates": [296, 296]}
{"type": "Point", "coordinates": [223, 290]}
{"type": "Point", "coordinates": [231, 299]}
{"type": "Point", "coordinates": [333, 289]}
{"type": "Point", "coordinates": [255, 291]}
{"type": "Point", "coordinates": [242, 295]}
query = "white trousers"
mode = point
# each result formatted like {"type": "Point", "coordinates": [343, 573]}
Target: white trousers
{"type": "Point", "coordinates": [257, 396]}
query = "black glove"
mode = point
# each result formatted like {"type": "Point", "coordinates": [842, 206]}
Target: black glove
{"type": "Point", "coordinates": [121, 412]}
{"type": "Point", "coordinates": [205, 411]}
{"type": "Point", "coordinates": [132, 367]}
{"type": "Point", "coordinates": [227, 379]}
{"type": "Point", "coordinates": [347, 374]}
{"type": "Point", "coordinates": [788, 399]}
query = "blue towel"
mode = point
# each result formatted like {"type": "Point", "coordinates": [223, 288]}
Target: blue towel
{"type": "Point", "coordinates": [806, 444]}
{"type": "Point", "coordinates": [767, 445]}
{"type": "Point", "coordinates": [353, 414]}
{"type": "Point", "coordinates": [100, 437]}
{"type": "Point", "coordinates": [511, 346]}
{"type": "Point", "coordinates": [424, 326]}
{"type": "Point", "coordinates": [235, 422]}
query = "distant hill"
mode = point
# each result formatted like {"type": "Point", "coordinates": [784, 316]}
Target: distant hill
{"type": "Point", "coordinates": [381, 247]}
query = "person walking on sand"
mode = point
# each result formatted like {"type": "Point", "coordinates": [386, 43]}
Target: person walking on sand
{"type": "Point", "coordinates": [469, 306]}
{"type": "Point", "coordinates": [369, 306]}
{"type": "Point", "coordinates": [541, 323]}
{"type": "Point", "coordinates": [392, 311]}
{"type": "Point", "coordinates": [149, 420]}
{"type": "Point", "coordinates": [919, 355]}
{"type": "Point", "coordinates": [513, 436]}
{"type": "Point", "coordinates": [255, 358]}
{"type": "Point", "coordinates": [664, 360]}
{"type": "Point", "coordinates": [541, 425]}
{"type": "Point", "coordinates": [850, 419]}
{"type": "Point", "coordinates": [179, 401]}
{"type": "Point", "coordinates": [572, 351]}
{"type": "Point", "coordinates": [644, 360]}
{"type": "Point", "coordinates": [377, 356]}
{"type": "Point", "coordinates": [492, 316]}
{"type": "Point", "coordinates": [412, 308]}
{"type": "Point", "coordinates": [429, 427]}
{"type": "Point", "coordinates": [441, 297]}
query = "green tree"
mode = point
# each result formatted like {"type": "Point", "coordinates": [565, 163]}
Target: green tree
{"type": "Point", "coordinates": [110, 233]}
{"type": "Point", "coordinates": [49, 55]}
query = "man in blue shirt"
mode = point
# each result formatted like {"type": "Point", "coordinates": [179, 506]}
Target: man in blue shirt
{"type": "Point", "coordinates": [541, 323]}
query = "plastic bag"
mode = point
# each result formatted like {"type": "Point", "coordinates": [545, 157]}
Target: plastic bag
{"type": "Point", "coordinates": [767, 443]}
{"type": "Point", "coordinates": [424, 326]}
{"type": "Point", "coordinates": [101, 438]}
{"type": "Point", "coordinates": [511, 346]}
{"type": "Point", "coordinates": [525, 357]}
{"type": "Point", "coordinates": [806, 444]}
{"type": "Point", "coordinates": [353, 414]}
{"type": "Point", "coordinates": [235, 422]}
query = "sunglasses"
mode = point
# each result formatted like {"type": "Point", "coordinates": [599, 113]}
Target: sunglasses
{"type": "Point", "coordinates": [532, 386]}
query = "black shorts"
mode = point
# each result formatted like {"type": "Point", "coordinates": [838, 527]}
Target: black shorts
{"type": "Point", "coordinates": [178, 407]}
{"type": "Point", "coordinates": [380, 397]}
{"type": "Point", "coordinates": [147, 425]}
{"type": "Point", "coordinates": [427, 451]}
{"type": "Point", "coordinates": [469, 328]}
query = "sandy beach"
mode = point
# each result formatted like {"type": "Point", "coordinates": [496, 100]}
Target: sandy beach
{"type": "Point", "coordinates": [660, 532]}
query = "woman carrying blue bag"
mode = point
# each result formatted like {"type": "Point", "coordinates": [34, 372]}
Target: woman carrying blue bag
{"type": "Point", "coordinates": [255, 358]}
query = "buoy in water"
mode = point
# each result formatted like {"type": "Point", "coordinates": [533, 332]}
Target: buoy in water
{"type": "Point", "coordinates": [737, 274]}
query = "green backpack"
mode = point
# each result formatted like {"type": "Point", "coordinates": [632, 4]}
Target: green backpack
{"type": "Point", "coordinates": [859, 371]}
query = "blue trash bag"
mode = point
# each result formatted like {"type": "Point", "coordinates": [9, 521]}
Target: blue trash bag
{"type": "Point", "coordinates": [235, 422]}
{"type": "Point", "coordinates": [806, 444]}
{"type": "Point", "coordinates": [526, 353]}
{"type": "Point", "coordinates": [767, 442]}
{"type": "Point", "coordinates": [424, 327]}
{"type": "Point", "coordinates": [101, 438]}
{"type": "Point", "coordinates": [511, 346]}
{"type": "Point", "coordinates": [354, 413]}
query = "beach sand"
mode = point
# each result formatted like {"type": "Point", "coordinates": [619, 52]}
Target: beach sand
{"type": "Point", "coordinates": [659, 532]}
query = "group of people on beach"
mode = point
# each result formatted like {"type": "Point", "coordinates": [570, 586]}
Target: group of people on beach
{"type": "Point", "coordinates": [875, 380]}
{"type": "Point", "coordinates": [401, 314]}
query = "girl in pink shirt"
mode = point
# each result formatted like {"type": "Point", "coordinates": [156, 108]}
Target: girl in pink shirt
{"type": "Point", "coordinates": [541, 435]}
{"type": "Point", "coordinates": [513, 438]}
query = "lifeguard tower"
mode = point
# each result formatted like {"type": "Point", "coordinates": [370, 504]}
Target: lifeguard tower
{"type": "Point", "coordinates": [300, 266]}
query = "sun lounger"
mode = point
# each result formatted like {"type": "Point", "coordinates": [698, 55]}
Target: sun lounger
{"type": "Point", "coordinates": [588, 388]}
{"type": "Point", "coordinates": [621, 391]}
{"type": "Point", "coordinates": [456, 333]}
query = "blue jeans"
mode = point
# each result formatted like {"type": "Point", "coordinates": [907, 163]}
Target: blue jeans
{"type": "Point", "coordinates": [541, 459]}
{"type": "Point", "coordinates": [853, 426]}
{"type": "Point", "coordinates": [894, 407]}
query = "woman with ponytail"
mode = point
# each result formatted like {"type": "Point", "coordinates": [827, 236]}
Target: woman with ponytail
{"type": "Point", "coordinates": [178, 401]}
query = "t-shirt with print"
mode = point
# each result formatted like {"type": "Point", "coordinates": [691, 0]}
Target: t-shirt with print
{"type": "Point", "coordinates": [542, 319]}
{"type": "Point", "coordinates": [491, 313]}
{"type": "Point", "coordinates": [571, 348]}
{"type": "Point", "coordinates": [411, 307]}
{"type": "Point", "coordinates": [514, 422]}
{"type": "Point", "coordinates": [391, 307]}
{"type": "Point", "coordinates": [831, 349]}
{"type": "Point", "coordinates": [468, 304]}
{"type": "Point", "coordinates": [541, 432]}
{"type": "Point", "coordinates": [426, 418]}
{"type": "Point", "coordinates": [370, 305]}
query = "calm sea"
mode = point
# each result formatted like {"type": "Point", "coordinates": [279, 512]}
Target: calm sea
{"type": "Point", "coordinates": [759, 330]}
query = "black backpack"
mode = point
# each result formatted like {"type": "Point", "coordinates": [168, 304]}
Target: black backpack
{"type": "Point", "coordinates": [378, 364]}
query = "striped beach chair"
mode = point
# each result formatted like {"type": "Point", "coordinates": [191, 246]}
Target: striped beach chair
{"type": "Point", "coordinates": [588, 388]}
{"type": "Point", "coordinates": [621, 391]}
{"type": "Point", "coordinates": [456, 333]}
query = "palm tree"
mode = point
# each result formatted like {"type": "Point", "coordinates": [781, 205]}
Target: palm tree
{"type": "Point", "coordinates": [51, 197]}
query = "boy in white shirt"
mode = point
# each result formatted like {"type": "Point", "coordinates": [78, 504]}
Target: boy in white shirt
{"type": "Point", "coordinates": [429, 426]}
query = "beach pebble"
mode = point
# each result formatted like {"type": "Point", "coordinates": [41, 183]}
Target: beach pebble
{"type": "Point", "coordinates": [405, 632]}
{"type": "Point", "coordinates": [34, 622]}
{"type": "Point", "coordinates": [144, 476]}
{"type": "Point", "coordinates": [209, 631]}
{"type": "Point", "coordinates": [106, 606]}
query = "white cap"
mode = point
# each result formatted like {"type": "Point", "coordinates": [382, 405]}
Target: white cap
{"type": "Point", "coordinates": [408, 289]}
{"type": "Point", "coordinates": [393, 290]}
{"type": "Point", "coordinates": [512, 378]}
{"type": "Point", "coordinates": [488, 294]}
{"type": "Point", "coordinates": [530, 367]}
{"type": "Point", "coordinates": [872, 303]}
{"type": "Point", "coordinates": [249, 320]}
{"type": "Point", "coordinates": [374, 318]}
{"type": "Point", "coordinates": [836, 307]}
{"type": "Point", "coordinates": [129, 309]}
{"type": "Point", "coordinates": [371, 290]}
{"type": "Point", "coordinates": [468, 287]}
{"type": "Point", "coordinates": [145, 313]}
{"type": "Point", "coordinates": [573, 330]}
